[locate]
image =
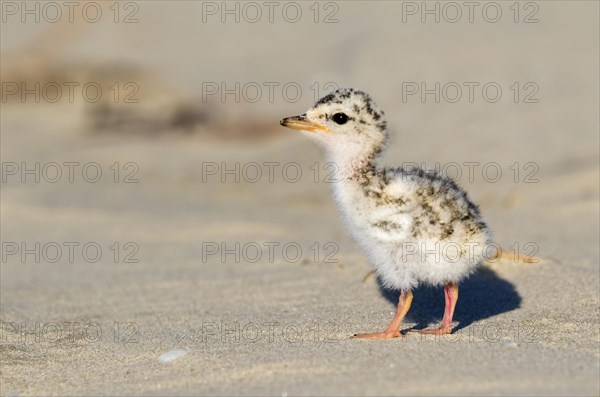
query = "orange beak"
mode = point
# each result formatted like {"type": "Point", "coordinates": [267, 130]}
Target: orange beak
{"type": "Point", "coordinates": [302, 124]}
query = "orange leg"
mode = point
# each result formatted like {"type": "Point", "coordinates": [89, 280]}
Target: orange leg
{"type": "Point", "coordinates": [451, 295]}
{"type": "Point", "coordinates": [393, 330]}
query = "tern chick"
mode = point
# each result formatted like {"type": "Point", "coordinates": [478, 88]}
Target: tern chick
{"type": "Point", "coordinates": [415, 225]}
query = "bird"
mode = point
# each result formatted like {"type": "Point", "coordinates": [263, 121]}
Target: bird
{"type": "Point", "coordinates": [416, 225]}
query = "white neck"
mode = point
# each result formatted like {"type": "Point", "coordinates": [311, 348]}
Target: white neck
{"type": "Point", "coordinates": [352, 163]}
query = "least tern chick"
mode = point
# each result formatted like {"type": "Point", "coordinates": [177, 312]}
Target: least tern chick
{"type": "Point", "coordinates": [415, 225]}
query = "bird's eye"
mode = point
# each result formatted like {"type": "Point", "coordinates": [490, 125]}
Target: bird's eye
{"type": "Point", "coordinates": [340, 118]}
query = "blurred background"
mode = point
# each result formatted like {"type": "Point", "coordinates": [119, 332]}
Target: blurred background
{"type": "Point", "coordinates": [145, 176]}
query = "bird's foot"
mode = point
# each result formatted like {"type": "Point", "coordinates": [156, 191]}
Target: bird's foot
{"type": "Point", "coordinates": [437, 331]}
{"type": "Point", "coordinates": [379, 335]}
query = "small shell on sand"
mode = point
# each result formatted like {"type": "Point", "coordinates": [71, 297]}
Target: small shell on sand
{"type": "Point", "coordinates": [173, 355]}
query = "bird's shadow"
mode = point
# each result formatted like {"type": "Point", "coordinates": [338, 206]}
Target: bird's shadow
{"type": "Point", "coordinates": [480, 296]}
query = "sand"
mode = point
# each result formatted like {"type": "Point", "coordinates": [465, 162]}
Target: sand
{"type": "Point", "coordinates": [172, 306]}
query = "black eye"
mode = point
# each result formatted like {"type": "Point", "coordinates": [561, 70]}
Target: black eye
{"type": "Point", "coordinates": [340, 118]}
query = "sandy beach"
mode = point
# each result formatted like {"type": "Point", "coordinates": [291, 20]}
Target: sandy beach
{"type": "Point", "coordinates": [166, 236]}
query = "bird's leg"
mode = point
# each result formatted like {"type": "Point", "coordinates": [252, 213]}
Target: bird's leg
{"type": "Point", "coordinates": [451, 295]}
{"type": "Point", "coordinates": [393, 330]}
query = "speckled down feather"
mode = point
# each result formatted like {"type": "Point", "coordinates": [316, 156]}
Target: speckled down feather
{"type": "Point", "coordinates": [416, 225]}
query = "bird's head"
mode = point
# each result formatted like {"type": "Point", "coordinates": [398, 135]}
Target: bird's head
{"type": "Point", "coordinates": [347, 121]}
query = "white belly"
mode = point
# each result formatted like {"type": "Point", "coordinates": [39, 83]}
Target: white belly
{"type": "Point", "coordinates": [401, 260]}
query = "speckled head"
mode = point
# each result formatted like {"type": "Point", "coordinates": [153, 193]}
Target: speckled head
{"type": "Point", "coordinates": [346, 120]}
